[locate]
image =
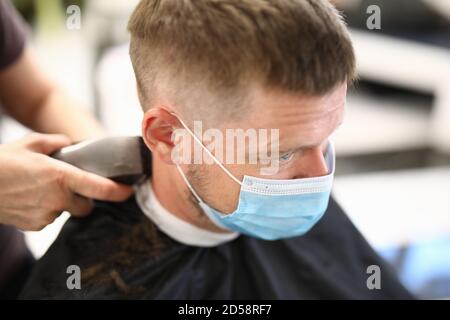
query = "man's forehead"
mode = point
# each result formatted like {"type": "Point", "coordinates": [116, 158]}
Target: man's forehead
{"type": "Point", "coordinates": [297, 114]}
{"type": "Point", "coordinates": [272, 104]}
{"type": "Point", "coordinates": [302, 121]}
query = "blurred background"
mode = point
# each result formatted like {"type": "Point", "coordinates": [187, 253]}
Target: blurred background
{"type": "Point", "coordinates": [393, 168]}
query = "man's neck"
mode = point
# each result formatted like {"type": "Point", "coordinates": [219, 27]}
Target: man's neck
{"type": "Point", "coordinates": [174, 196]}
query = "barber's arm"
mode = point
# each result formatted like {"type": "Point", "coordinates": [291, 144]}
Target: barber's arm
{"type": "Point", "coordinates": [34, 188]}
{"type": "Point", "coordinates": [32, 98]}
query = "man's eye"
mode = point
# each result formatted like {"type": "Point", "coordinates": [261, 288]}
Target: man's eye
{"type": "Point", "coordinates": [286, 157]}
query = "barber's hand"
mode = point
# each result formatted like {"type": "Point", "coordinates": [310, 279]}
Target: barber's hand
{"type": "Point", "coordinates": [35, 188]}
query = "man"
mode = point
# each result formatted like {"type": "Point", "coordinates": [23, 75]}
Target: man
{"type": "Point", "coordinates": [218, 229]}
{"type": "Point", "coordinates": [35, 189]}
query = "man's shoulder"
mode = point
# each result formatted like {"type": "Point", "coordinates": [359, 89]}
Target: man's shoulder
{"type": "Point", "coordinates": [107, 218]}
{"type": "Point", "coordinates": [336, 249]}
{"type": "Point", "coordinates": [335, 239]}
{"type": "Point", "coordinates": [107, 222]}
{"type": "Point", "coordinates": [113, 237]}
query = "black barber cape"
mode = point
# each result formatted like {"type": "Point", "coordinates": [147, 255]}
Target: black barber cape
{"type": "Point", "coordinates": [122, 255]}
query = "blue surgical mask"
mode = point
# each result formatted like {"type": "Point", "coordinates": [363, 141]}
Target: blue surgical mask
{"type": "Point", "coordinates": [273, 209]}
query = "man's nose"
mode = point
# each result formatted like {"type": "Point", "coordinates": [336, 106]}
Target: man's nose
{"type": "Point", "coordinates": [313, 164]}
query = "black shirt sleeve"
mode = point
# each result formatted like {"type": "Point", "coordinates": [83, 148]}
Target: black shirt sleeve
{"type": "Point", "coordinates": [12, 34]}
{"type": "Point", "coordinates": [13, 251]}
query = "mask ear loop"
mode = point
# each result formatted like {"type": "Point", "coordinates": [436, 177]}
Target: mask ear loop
{"type": "Point", "coordinates": [200, 202]}
{"type": "Point", "coordinates": [330, 157]}
{"type": "Point", "coordinates": [207, 150]}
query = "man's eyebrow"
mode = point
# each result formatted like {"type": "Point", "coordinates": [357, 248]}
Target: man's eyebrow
{"type": "Point", "coordinates": [289, 150]}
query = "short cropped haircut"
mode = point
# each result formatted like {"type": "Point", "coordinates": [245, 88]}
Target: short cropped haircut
{"type": "Point", "coordinates": [218, 48]}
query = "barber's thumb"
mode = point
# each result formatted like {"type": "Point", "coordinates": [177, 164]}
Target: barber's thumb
{"type": "Point", "coordinates": [46, 143]}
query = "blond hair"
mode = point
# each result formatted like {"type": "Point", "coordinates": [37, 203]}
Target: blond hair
{"type": "Point", "coordinates": [216, 49]}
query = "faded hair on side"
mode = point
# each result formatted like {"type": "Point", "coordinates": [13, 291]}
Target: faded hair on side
{"type": "Point", "coordinates": [215, 50]}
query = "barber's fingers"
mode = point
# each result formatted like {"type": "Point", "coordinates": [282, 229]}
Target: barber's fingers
{"type": "Point", "coordinates": [37, 222]}
{"type": "Point", "coordinates": [93, 186]}
{"type": "Point", "coordinates": [45, 143]}
{"type": "Point", "coordinates": [79, 206]}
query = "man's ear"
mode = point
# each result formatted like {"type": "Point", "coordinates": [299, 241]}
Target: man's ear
{"type": "Point", "coordinates": [158, 125]}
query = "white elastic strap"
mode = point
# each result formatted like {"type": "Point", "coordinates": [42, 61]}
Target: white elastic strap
{"type": "Point", "coordinates": [200, 202]}
{"type": "Point", "coordinates": [207, 150]}
{"type": "Point", "coordinates": [332, 151]}
{"type": "Point", "coordinates": [188, 183]}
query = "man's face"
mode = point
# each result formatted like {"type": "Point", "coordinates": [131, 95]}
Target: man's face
{"type": "Point", "coordinates": [304, 124]}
